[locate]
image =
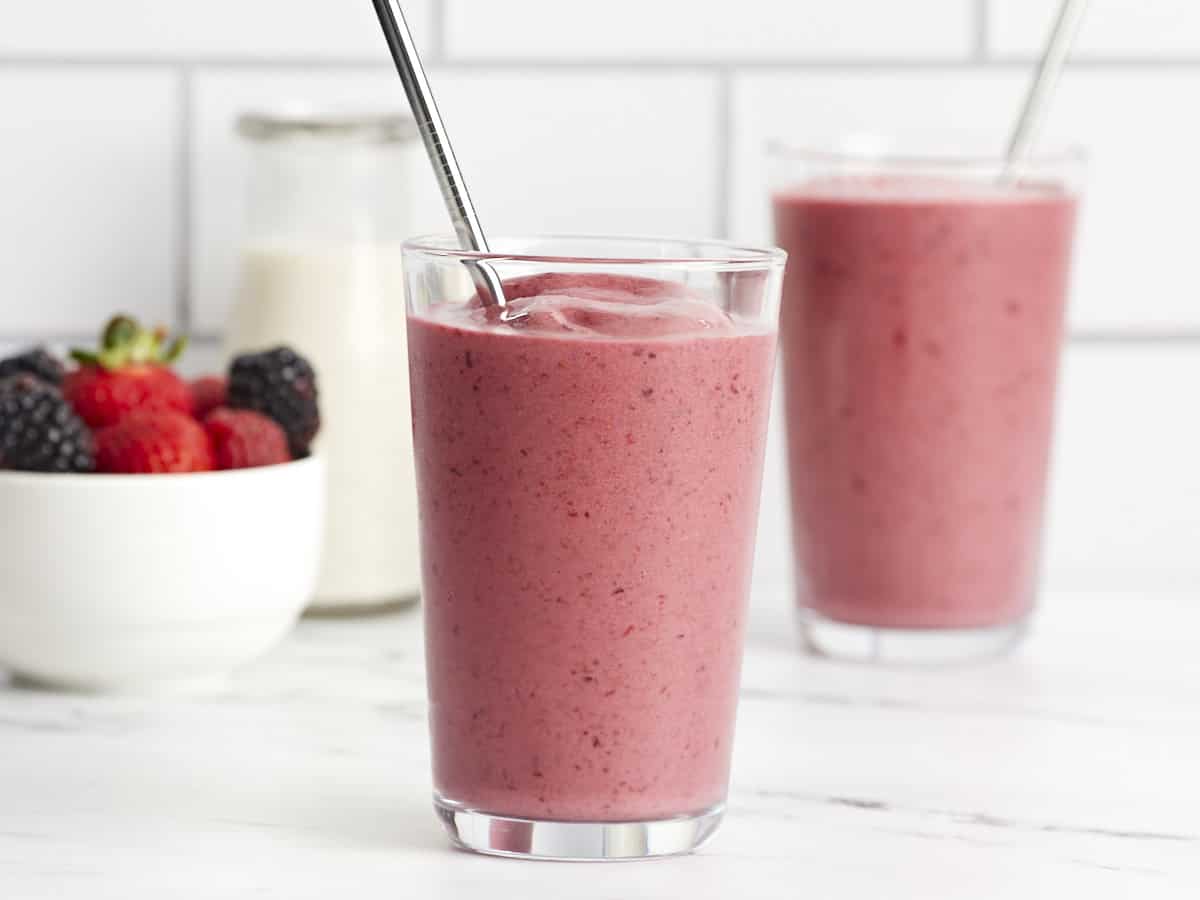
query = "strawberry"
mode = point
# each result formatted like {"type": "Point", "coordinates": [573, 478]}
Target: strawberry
{"type": "Point", "coordinates": [131, 371]}
{"type": "Point", "coordinates": [207, 394]}
{"type": "Point", "coordinates": [242, 439]}
{"type": "Point", "coordinates": [151, 442]}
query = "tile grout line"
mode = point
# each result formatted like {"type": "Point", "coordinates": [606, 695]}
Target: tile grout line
{"type": "Point", "coordinates": [87, 338]}
{"type": "Point", "coordinates": [365, 64]}
{"type": "Point", "coordinates": [724, 160]}
{"type": "Point", "coordinates": [979, 31]}
{"type": "Point", "coordinates": [437, 42]}
{"type": "Point", "coordinates": [183, 201]}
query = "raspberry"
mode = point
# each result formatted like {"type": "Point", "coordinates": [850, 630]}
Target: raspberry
{"type": "Point", "coordinates": [38, 430]}
{"type": "Point", "coordinates": [280, 384]}
{"type": "Point", "coordinates": [153, 442]}
{"type": "Point", "coordinates": [243, 439]}
{"type": "Point", "coordinates": [207, 394]}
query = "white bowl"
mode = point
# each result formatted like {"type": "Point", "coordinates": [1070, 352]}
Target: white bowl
{"type": "Point", "coordinates": [145, 582]}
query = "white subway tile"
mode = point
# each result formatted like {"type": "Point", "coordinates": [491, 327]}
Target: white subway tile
{"type": "Point", "coordinates": [1125, 505]}
{"type": "Point", "coordinates": [88, 183]}
{"type": "Point", "coordinates": [1112, 28]}
{"type": "Point", "coordinates": [167, 29]}
{"type": "Point", "coordinates": [1137, 245]}
{"type": "Point", "coordinates": [1125, 487]}
{"type": "Point", "coordinates": [569, 152]}
{"type": "Point", "coordinates": [589, 152]}
{"type": "Point", "coordinates": [820, 108]}
{"type": "Point", "coordinates": [1141, 148]}
{"type": "Point", "coordinates": [708, 29]}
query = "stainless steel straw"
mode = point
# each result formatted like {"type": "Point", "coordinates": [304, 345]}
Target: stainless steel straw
{"type": "Point", "coordinates": [433, 132]}
{"type": "Point", "coordinates": [1037, 101]}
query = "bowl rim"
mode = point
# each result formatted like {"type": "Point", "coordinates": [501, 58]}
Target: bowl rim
{"type": "Point", "coordinates": [13, 477]}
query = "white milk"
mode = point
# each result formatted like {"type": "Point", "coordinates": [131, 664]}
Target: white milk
{"type": "Point", "coordinates": [342, 307]}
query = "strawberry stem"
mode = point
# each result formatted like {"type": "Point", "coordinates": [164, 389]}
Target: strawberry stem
{"type": "Point", "coordinates": [120, 331]}
{"type": "Point", "coordinates": [125, 343]}
{"type": "Point", "coordinates": [175, 350]}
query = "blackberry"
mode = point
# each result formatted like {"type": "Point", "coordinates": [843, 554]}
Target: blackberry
{"type": "Point", "coordinates": [279, 384]}
{"type": "Point", "coordinates": [35, 361]}
{"type": "Point", "coordinates": [39, 432]}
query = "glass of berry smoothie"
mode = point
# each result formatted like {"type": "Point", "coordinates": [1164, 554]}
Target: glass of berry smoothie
{"type": "Point", "coordinates": [922, 319]}
{"type": "Point", "coordinates": [588, 470]}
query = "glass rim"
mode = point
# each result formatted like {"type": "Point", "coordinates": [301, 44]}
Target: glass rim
{"type": "Point", "coordinates": [1070, 154]}
{"type": "Point", "coordinates": [293, 120]}
{"type": "Point", "coordinates": [724, 255]}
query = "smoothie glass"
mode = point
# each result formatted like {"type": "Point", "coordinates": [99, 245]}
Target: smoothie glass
{"type": "Point", "coordinates": [588, 474]}
{"type": "Point", "coordinates": [921, 327]}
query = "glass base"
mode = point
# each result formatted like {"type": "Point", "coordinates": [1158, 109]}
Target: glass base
{"type": "Point", "coordinates": [908, 646]}
{"type": "Point", "coordinates": [578, 841]}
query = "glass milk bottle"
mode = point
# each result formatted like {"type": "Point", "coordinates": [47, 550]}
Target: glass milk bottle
{"type": "Point", "coordinates": [328, 204]}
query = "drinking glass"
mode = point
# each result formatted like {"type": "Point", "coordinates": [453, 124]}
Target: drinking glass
{"type": "Point", "coordinates": [588, 469]}
{"type": "Point", "coordinates": [921, 329]}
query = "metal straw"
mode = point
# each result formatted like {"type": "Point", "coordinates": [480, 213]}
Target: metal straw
{"type": "Point", "coordinates": [433, 132]}
{"type": "Point", "coordinates": [1037, 101]}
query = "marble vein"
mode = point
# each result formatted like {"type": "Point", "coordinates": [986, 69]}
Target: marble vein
{"type": "Point", "coordinates": [960, 817]}
{"type": "Point", "coordinates": [961, 710]}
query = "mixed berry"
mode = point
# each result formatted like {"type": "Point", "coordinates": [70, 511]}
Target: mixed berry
{"type": "Point", "coordinates": [122, 408]}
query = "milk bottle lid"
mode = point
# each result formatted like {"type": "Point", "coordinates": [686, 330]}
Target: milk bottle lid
{"type": "Point", "coordinates": [292, 120]}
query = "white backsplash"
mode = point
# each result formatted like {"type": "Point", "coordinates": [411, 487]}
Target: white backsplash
{"type": "Point", "coordinates": [121, 180]}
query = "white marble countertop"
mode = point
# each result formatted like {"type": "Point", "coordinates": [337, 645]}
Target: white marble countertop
{"type": "Point", "coordinates": [1071, 770]}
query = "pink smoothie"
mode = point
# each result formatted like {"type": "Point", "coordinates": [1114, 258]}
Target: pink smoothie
{"type": "Point", "coordinates": [589, 484]}
{"type": "Point", "coordinates": [921, 327]}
